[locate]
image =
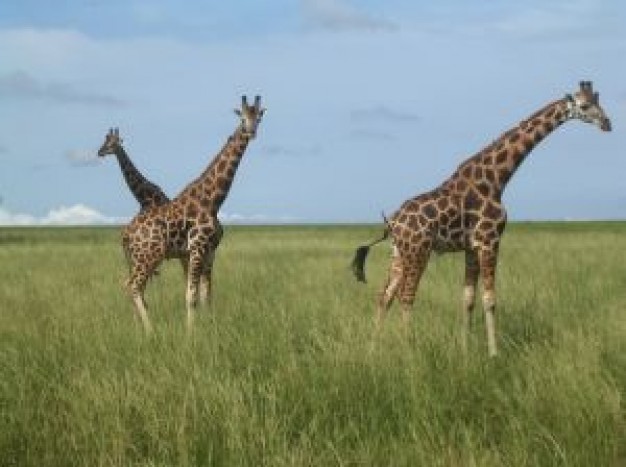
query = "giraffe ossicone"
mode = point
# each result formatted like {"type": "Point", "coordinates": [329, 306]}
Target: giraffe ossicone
{"type": "Point", "coordinates": [465, 213]}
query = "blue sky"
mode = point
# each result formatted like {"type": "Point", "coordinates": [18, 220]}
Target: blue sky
{"type": "Point", "coordinates": [369, 103]}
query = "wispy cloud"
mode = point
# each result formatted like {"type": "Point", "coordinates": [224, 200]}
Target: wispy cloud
{"type": "Point", "coordinates": [371, 135]}
{"type": "Point", "coordinates": [382, 113]}
{"type": "Point", "coordinates": [78, 214]}
{"type": "Point", "coordinates": [337, 15]}
{"type": "Point", "coordinates": [290, 151]}
{"type": "Point", "coordinates": [82, 157]}
{"type": "Point", "coordinates": [22, 85]}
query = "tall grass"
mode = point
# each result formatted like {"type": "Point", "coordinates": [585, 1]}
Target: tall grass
{"type": "Point", "coordinates": [285, 366]}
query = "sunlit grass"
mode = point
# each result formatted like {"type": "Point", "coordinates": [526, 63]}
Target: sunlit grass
{"type": "Point", "coordinates": [286, 368]}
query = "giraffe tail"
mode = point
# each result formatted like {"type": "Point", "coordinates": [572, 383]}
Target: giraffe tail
{"type": "Point", "coordinates": [358, 263]}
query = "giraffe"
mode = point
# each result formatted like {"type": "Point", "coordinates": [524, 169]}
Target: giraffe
{"type": "Point", "coordinates": [465, 213]}
{"type": "Point", "coordinates": [145, 192]}
{"type": "Point", "coordinates": [188, 227]}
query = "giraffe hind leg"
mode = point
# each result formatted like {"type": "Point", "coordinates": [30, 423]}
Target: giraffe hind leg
{"type": "Point", "coordinates": [394, 281]}
{"type": "Point", "coordinates": [472, 271]}
{"type": "Point", "coordinates": [136, 284]}
{"type": "Point", "coordinates": [414, 267]}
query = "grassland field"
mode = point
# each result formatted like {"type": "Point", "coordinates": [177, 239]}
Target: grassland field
{"type": "Point", "coordinates": [285, 367]}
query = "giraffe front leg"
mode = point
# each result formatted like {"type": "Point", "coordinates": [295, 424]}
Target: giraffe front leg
{"type": "Point", "coordinates": [472, 270]}
{"type": "Point", "coordinates": [206, 279]}
{"type": "Point", "coordinates": [488, 259]}
{"type": "Point", "coordinates": [193, 280]}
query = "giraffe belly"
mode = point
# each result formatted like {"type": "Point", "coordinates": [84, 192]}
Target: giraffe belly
{"type": "Point", "coordinates": [449, 240]}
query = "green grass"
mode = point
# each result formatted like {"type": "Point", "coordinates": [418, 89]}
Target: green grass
{"type": "Point", "coordinates": [285, 367]}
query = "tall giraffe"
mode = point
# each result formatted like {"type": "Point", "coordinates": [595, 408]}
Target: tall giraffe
{"type": "Point", "coordinates": [188, 227]}
{"type": "Point", "coordinates": [465, 213]}
{"type": "Point", "coordinates": [146, 193]}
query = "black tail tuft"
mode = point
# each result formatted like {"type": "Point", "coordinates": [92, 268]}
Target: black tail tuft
{"type": "Point", "coordinates": [358, 263]}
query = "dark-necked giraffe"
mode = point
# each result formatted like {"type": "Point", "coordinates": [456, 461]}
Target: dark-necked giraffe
{"type": "Point", "coordinates": [465, 212]}
{"type": "Point", "coordinates": [188, 227]}
{"type": "Point", "coordinates": [145, 192]}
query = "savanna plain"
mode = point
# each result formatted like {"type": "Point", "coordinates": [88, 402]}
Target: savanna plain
{"type": "Point", "coordinates": [286, 368]}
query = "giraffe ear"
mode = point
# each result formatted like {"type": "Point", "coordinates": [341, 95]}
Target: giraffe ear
{"type": "Point", "coordinates": [569, 98]}
{"type": "Point", "coordinates": [237, 111]}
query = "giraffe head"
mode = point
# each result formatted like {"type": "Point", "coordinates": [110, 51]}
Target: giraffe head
{"type": "Point", "coordinates": [112, 142]}
{"type": "Point", "coordinates": [585, 106]}
{"type": "Point", "coordinates": [251, 115]}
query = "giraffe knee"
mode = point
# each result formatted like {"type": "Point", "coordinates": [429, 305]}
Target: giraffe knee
{"type": "Point", "coordinates": [469, 297]}
{"type": "Point", "coordinates": [489, 300]}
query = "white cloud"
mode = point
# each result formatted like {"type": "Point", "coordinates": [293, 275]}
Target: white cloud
{"type": "Point", "coordinates": [234, 218]}
{"type": "Point", "coordinates": [78, 214]}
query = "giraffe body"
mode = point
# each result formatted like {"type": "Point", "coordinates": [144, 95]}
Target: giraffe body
{"type": "Point", "coordinates": [465, 213]}
{"type": "Point", "coordinates": [188, 227]}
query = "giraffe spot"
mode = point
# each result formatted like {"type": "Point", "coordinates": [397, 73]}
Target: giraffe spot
{"type": "Point", "coordinates": [478, 172]}
{"type": "Point", "coordinates": [455, 223]}
{"type": "Point", "coordinates": [461, 185]}
{"type": "Point", "coordinates": [470, 220]}
{"type": "Point", "coordinates": [489, 159]}
{"type": "Point", "coordinates": [536, 138]}
{"type": "Point", "coordinates": [472, 201]}
{"type": "Point", "coordinates": [486, 225]}
{"type": "Point", "coordinates": [504, 175]}
{"type": "Point", "coordinates": [490, 175]}
{"type": "Point", "coordinates": [442, 203]}
{"type": "Point", "coordinates": [413, 222]}
{"type": "Point", "coordinates": [528, 145]}
{"type": "Point", "coordinates": [221, 165]}
{"type": "Point", "coordinates": [443, 218]}
{"type": "Point", "coordinates": [514, 138]}
{"type": "Point", "coordinates": [402, 218]}
{"type": "Point", "coordinates": [501, 157]}
{"type": "Point", "coordinates": [483, 189]}
{"type": "Point", "coordinates": [491, 211]}
{"type": "Point", "coordinates": [467, 172]}
{"type": "Point", "coordinates": [429, 211]}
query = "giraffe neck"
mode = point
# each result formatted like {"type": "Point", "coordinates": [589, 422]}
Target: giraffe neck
{"type": "Point", "coordinates": [215, 182]}
{"type": "Point", "coordinates": [134, 179]}
{"type": "Point", "coordinates": [497, 163]}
